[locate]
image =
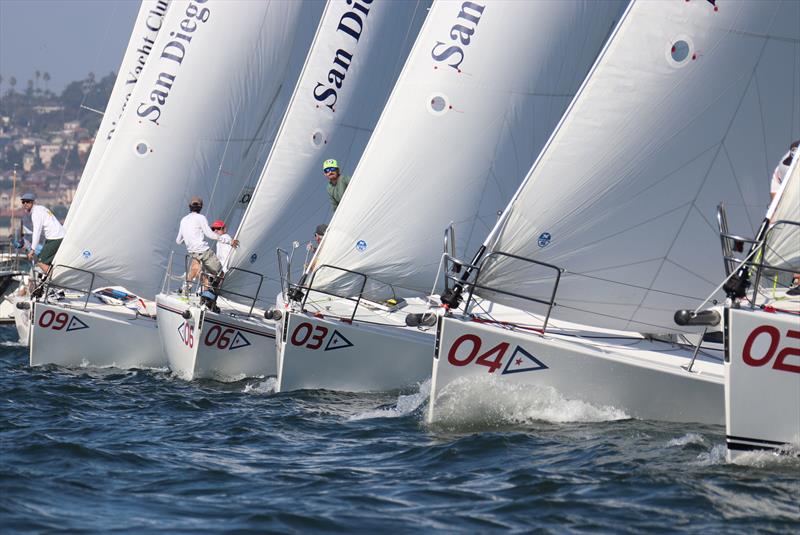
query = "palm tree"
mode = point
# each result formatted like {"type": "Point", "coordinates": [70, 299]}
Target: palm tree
{"type": "Point", "coordinates": [46, 78]}
{"type": "Point", "coordinates": [38, 75]}
{"type": "Point", "coordinates": [12, 82]}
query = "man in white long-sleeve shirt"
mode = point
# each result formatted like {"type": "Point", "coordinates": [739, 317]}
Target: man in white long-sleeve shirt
{"type": "Point", "coordinates": [193, 231]}
{"type": "Point", "coordinates": [44, 223]}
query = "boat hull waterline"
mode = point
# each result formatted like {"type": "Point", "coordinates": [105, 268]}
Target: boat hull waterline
{"type": "Point", "coordinates": [208, 345]}
{"type": "Point", "coordinates": [100, 336]}
{"type": "Point", "coordinates": [638, 382]}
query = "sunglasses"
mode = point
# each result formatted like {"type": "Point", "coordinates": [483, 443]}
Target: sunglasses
{"type": "Point", "coordinates": [27, 202]}
{"type": "Point", "coordinates": [330, 169]}
{"type": "Point", "coordinates": [217, 228]}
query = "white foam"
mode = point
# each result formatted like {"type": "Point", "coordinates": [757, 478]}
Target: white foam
{"type": "Point", "coordinates": [266, 386]}
{"type": "Point", "coordinates": [688, 438]}
{"type": "Point", "coordinates": [490, 401]}
{"type": "Point", "coordinates": [787, 456]}
{"type": "Point", "coordinates": [406, 404]}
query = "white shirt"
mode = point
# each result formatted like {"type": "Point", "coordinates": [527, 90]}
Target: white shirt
{"type": "Point", "coordinates": [44, 220]}
{"type": "Point", "coordinates": [224, 249]}
{"type": "Point", "coordinates": [193, 227]}
{"type": "Point", "coordinates": [778, 174]}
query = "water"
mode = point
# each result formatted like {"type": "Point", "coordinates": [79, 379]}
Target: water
{"type": "Point", "coordinates": [137, 451]}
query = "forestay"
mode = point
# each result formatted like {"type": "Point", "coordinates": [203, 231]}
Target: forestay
{"type": "Point", "coordinates": [145, 30]}
{"type": "Point", "coordinates": [687, 106]}
{"type": "Point", "coordinates": [353, 64]}
{"type": "Point", "coordinates": [483, 88]}
{"type": "Point", "coordinates": [202, 117]}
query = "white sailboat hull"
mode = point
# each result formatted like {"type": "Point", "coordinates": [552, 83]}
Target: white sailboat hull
{"type": "Point", "coordinates": [99, 336]}
{"type": "Point", "coordinates": [637, 377]}
{"type": "Point", "coordinates": [322, 353]}
{"type": "Point", "coordinates": [762, 380]}
{"type": "Point", "coordinates": [215, 346]}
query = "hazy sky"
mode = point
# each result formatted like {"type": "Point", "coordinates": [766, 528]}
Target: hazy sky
{"type": "Point", "coordinates": [67, 38]}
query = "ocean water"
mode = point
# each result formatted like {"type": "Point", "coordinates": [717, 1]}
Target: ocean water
{"type": "Point", "coordinates": [100, 450]}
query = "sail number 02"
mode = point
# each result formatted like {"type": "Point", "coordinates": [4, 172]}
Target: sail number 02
{"type": "Point", "coordinates": [774, 341]}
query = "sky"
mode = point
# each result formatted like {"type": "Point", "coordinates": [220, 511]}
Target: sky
{"type": "Point", "coordinates": [67, 38]}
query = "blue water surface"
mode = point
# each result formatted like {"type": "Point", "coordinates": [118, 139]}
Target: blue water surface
{"type": "Point", "coordinates": [99, 450]}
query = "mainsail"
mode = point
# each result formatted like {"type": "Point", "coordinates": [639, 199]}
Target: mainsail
{"type": "Point", "coordinates": [485, 84]}
{"type": "Point", "coordinates": [201, 120]}
{"type": "Point", "coordinates": [687, 106]}
{"type": "Point", "coordinates": [145, 30]}
{"type": "Point", "coordinates": [354, 61]}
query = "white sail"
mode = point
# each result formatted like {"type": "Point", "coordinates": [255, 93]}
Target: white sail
{"type": "Point", "coordinates": [353, 64]}
{"type": "Point", "coordinates": [783, 241]}
{"type": "Point", "coordinates": [686, 107]}
{"type": "Point", "coordinates": [145, 30]}
{"type": "Point", "coordinates": [483, 88]}
{"type": "Point", "coordinates": [202, 117]}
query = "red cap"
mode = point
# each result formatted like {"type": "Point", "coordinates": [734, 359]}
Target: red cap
{"type": "Point", "coordinates": [219, 223]}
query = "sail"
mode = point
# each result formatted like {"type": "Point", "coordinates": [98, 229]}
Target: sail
{"type": "Point", "coordinates": [202, 117]}
{"type": "Point", "coordinates": [485, 84]}
{"type": "Point", "coordinates": [145, 30]}
{"type": "Point", "coordinates": [687, 106]}
{"type": "Point", "coordinates": [783, 240]}
{"type": "Point", "coordinates": [353, 64]}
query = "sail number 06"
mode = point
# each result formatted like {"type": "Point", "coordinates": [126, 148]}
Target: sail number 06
{"type": "Point", "coordinates": [774, 341]}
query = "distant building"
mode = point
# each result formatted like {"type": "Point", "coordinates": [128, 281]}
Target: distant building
{"type": "Point", "coordinates": [28, 161]}
{"type": "Point", "coordinates": [47, 152]}
{"type": "Point", "coordinates": [71, 126]}
{"type": "Point", "coordinates": [84, 146]}
{"type": "Point", "coordinates": [47, 108]}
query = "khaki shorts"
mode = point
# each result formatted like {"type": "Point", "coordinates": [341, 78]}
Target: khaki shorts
{"type": "Point", "coordinates": [209, 261]}
{"type": "Point", "coordinates": [49, 250]}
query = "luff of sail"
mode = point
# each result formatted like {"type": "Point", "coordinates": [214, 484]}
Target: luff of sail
{"type": "Point", "coordinates": [354, 61]}
{"type": "Point", "coordinates": [687, 106]}
{"type": "Point", "coordinates": [483, 87]}
{"type": "Point", "coordinates": [145, 30]}
{"type": "Point", "coordinates": [203, 115]}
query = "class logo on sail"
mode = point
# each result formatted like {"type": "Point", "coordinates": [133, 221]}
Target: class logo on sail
{"type": "Point", "coordinates": [461, 34]}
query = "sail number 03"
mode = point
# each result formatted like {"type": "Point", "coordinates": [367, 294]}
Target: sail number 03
{"type": "Point", "coordinates": [492, 359]}
{"type": "Point", "coordinates": [774, 341]}
{"type": "Point", "coordinates": [309, 335]}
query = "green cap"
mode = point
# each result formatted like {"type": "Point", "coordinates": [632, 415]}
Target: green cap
{"type": "Point", "coordinates": [330, 163]}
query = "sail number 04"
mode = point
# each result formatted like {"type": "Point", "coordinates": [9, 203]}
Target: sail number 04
{"type": "Point", "coordinates": [492, 358]}
{"type": "Point", "coordinates": [774, 341]}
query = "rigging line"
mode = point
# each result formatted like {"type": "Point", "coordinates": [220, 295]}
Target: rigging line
{"type": "Point", "coordinates": [629, 321]}
{"type": "Point", "coordinates": [738, 185]}
{"type": "Point", "coordinates": [764, 142]}
{"type": "Point", "coordinates": [266, 116]}
{"type": "Point", "coordinates": [733, 117]}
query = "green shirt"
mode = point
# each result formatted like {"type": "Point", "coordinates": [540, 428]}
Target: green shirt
{"type": "Point", "coordinates": [336, 192]}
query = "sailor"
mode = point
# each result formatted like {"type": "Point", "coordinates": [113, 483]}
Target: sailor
{"type": "Point", "coordinates": [337, 183]}
{"type": "Point", "coordinates": [224, 247]}
{"type": "Point", "coordinates": [193, 231]}
{"type": "Point", "coordinates": [43, 221]}
{"type": "Point", "coordinates": [782, 168]}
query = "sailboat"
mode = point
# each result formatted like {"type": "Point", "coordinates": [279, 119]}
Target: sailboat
{"type": "Point", "coordinates": [352, 65]}
{"type": "Point", "coordinates": [461, 129]}
{"type": "Point", "coordinates": [199, 122]}
{"type": "Point", "coordinates": [613, 230]}
{"type": "Point", "coordinates": [148, 22]}
{"type": "Point", "coordinates": [763, 331]}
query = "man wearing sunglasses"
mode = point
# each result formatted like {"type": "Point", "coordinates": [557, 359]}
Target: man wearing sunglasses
{"type": "Point", "coordinates": [44, 222]}
{"type": "Point", "coordinates": [336, 182]}
{"type": "Point", "coordinates": [224, 247]}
